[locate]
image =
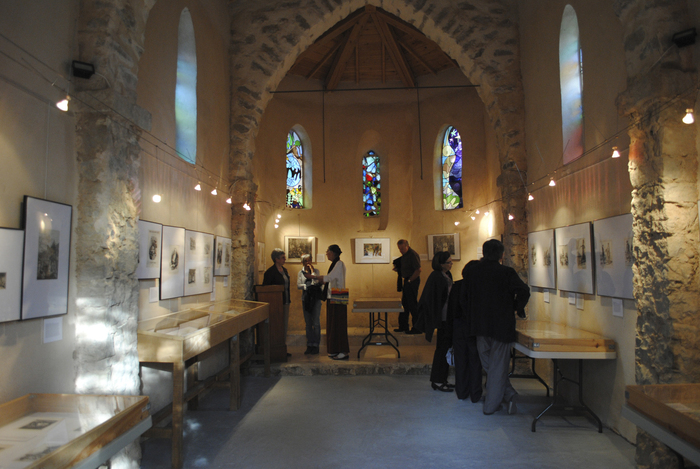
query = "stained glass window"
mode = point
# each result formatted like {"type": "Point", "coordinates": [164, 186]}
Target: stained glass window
{"type": "Point", "coordinates": [186, 90]}
{"type": "Point", "coordinates": [571, 83]}
{"type": "Point", "coordinates": [371, 185]}
{"type": "Point", "coordinates": [451, 170]}
{"type": "Point", "coordinates": [295, 171]}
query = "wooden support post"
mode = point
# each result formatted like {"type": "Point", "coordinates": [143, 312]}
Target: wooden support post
{"type": "Point", "coordinates": [235, 373]}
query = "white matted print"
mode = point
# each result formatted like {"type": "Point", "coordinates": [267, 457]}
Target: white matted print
{"type": "Point", "coordinates": [372, 251]}
{"type": "Point", "coordinates": [541, 259]}
{"type": "Point", "coordinates": [222, 257]}
{"type": "Point", "coordinates": [11, 249]}
{"type": "Point", "coordinates": [47, 232]}
{"type": "Point", "coordinates": [297, 246]}
{"type": "Point", "coordinates": [574, 258]}
{"type": "Point", "coordinates": [199, 262]}
{"type": "Point", "coordinates": [150, 239]}
{"type": "Point", "coordinates": [172, 274]}
{"type": "Point", "coordinates": [444, 242]}
{"type": "Point", "coordinates": [614, 254]}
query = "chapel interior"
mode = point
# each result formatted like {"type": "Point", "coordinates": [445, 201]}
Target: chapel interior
{"type": "Point", "coordinates": [351, 78]}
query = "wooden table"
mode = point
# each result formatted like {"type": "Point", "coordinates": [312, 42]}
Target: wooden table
{"type": "Point", "coordinates": [179, 338]}
{"type": "Point", "coordinates": [378, 306]}
{"type": "Point", "coordinates": [61, 431]}
{"type": "Point", "coordinates": [542, 339]}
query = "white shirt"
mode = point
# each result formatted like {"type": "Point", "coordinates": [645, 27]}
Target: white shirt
{"type": "Point", "coordinates": [336, 278]}
{"type": "Point", "coordinates": [301, 280]}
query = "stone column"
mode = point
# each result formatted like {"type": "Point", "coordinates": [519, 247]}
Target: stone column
{"type": "Point", "coordinates": [663, 169]}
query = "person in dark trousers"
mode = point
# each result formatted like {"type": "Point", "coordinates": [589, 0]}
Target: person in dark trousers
{"type": "Point", "coordinates": [410, 273]}
{"type": "Point", "coordinates": [432, 314]}
{"type": "Point", "coordinates": [277, 275]}
{"type": "Point", "coordinates": [491, 296]}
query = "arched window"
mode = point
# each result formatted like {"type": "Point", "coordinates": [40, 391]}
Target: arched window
{"type": "Point", "coordinates": [186, 90]}
{"type": "Point", "coordinates": [451, 170]}
{"type": "Point", "coordinates": [571, 83]}
{"type": "Point", "coordinates": [371, 184]}
{"type": "Point", "coordinates": [295, 171]}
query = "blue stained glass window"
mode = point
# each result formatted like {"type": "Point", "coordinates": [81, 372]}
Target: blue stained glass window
{"type": "Point", "coordinates": [371, 185]}
{"type": "Point", "coordinates": [571, 83]}
{"type": "Point", "coordinates": [186, 90]}
{"type": "Point", "coordinates": [452, 170]}
{"type": "Point", "coordinates": [295, 171]}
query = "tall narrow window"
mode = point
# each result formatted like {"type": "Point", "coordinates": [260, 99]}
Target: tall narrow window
{"type": "Point", "coordinates": [451, 170]}
{"type": "Point", "coordinates": [571, 83]}
{"type": "Point", "coordinates": [371, 185]}
{"type": "Point", "coordinates": [186, 90]}
{"type": "Point", "coordinates": [295, 171]}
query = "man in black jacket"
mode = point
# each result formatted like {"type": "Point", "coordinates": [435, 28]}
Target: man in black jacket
{"type": "Point", "coordinates": [491, 295]}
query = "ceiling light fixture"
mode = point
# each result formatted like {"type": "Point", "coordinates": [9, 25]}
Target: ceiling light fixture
{"type": "Point", "coordinates": [615, 153]}
{"type": "Point", "coordinates": [688, 118]}
{"type": "Point", "coordinates": [551, 182]}
{"type": "Point", "coordinates": [198, 187]}
{"type": "Point", "coordinates": [63, 104]}
{"type": "Point", "coordinates": [156, 198]}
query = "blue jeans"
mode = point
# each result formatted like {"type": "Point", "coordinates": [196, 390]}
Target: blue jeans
{"type": "Point", "coordinates": [313, 324]}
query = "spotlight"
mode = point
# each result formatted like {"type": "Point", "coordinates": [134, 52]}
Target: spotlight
{"type": "Point", "coordinates": [198, 187]}
{"type": "Point", "coordinates": [229, 201]}
{"type": "Point", "coordinates": [246, 206]}
{"type": "Point", "coordinates": [615, 153]}
{"type": "Point", "coordinates": [276, 225]}
{"type": "Point", "coordinates": [552, 183]}
{"type": "Point", "coordinates": [156, 198]}
{"type": "Point", "coordinates": [456, 223]}
{"type": "Point", "coordinates": [477, 211]}
{"type": "Point", "coordinates": [473, 217]}
{"type": "Point", "coordinates": [82, 69]}
{"type": "Point", "coordinates": [684, 38]}
{"type": "Point", "coordinates": [63, 104]}
{"type": "Point", "coordinates": [510, 217]}
{"type": "Point", "coordinates": [214, 192]}
{"type": "Point", "coordinates": [688, 119]}
{"type": "Point", "coordinates": [530, 197]}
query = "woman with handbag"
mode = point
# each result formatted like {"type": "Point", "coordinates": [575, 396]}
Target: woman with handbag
{"type": "Point", "coordinates": [311, 299]}
{"type": "Point", "coordinates": [336, 313]}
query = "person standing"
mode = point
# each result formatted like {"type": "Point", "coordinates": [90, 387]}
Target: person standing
{"type": "Point", "coordinates": [336, 314]}
{"type": "Point", "coordinates": [410, 272]}
{"type": "Point", "coordinates": [311, 304]}
{"type": "Point", "coordinates": [277, 275]}
{"type": "Point", "coordinates": [491, 295]}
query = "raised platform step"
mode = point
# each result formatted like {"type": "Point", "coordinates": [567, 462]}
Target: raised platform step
{"type": "Point", "coordinates": [355, 336]}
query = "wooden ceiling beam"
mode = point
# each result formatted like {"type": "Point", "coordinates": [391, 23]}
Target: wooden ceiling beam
{"type": "Point", "coordinates": [324, 60]}
{"type": "Point", "coordinates": [413, 32]}
{"type": "Point", "coordinates": [394, 51]}
{"type": "Point", "coordinates": [322, 41]}
{"type": "Point", "coordinates": [336, 71]}
{"type": "Point", "coordinates": [416, 56]}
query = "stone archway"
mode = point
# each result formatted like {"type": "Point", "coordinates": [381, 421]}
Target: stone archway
{"type": "Point", "coordinates": [480, 35]}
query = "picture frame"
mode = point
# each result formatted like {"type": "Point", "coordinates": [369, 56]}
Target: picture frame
{"type": "Point", "coordinates": [614, 256]}
{"type": "Point", "coordinates": [150, 244]}
{"type": "Point", "coordinates": [444, 242]}
{"type": "Point", "coordinates": [172, 270]}
{"type": "Point", "coordinates": [372, 251]}
{"type": "Point", "coordinates": [541, 259]}
{"type": "Point", "coordinates": [199, 263]}
{"type": "Point", "coordinates": [297, 246]}
{"type": "Point", "coordinates": [222, 256]}
{"type": "Point", "coordinates": [574, 258]}
{"type": "Point", "coordinates": [11, 253]}
{"type": "Point", "coordinates": [46, 263]}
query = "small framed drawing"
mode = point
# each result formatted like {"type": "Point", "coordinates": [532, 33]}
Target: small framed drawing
{"type": "Point", "coordinates": [297, 246]}
{"type": "Point", "coordinates": [261, 257]}
{"type": "Point", "coordinates": [444, 242]}
{"type": "Point", "coordinates": [47, 231]}
{"type": "Point", "coordinates": [199, 262]}
{"type": "Point", "coordinates": [541, 259]}
{"type": "Point", "coordinates": [614, 255]}
{"type": "Point", "coordinates": [574, 258]}
{"type": "Point", "coordinates": [372, 250]}
{"type": "Point", "coordinates": [222, 256]}
{"type": "Point", "coordinates": [172, 265]}
{"type": "Point", "coordinates": [11, 249]}
{"type": "Point", "coordinates": [150, 238]}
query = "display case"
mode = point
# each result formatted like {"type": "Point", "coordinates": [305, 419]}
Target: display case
{"type": "Point", "coordinates": [52, 431]}
{"type": "Point", "coordinates": [545, 336]}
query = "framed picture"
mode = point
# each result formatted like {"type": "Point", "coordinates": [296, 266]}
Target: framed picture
{"type": "Point", "coordinates": [172, 266]}
{"type": "Point", "coordinates": [614, 254]}
{"type": "Point", "coordinates": [541, 259]}
{"type": "Point", "coordinates": [372, 251]}
{"type": "Point", "coordinates": [150, 238]}
{"type": "Point", "coordinates": [199, 262]}
{"type": "Point", "coordinates": [574, 258]}
{"type": "Point", "coordinates": [11, 249]}
{"type": "Point", "coordinates": [261, 257]}
{"type": "Point", "coordinates": [222, 256]}
{"type": "Point", "coordinates": [47, 231]}
{"type": "Point", "coordinates": [444, 242]}
{"type": "Point", "coordinates": [297, 246]}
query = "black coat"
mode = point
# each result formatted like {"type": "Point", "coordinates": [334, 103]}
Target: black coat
{"type": "Point", "coordinates": [273, 276]}
{"type": "Point", "coordinates": [431, 302]}
{"type": "Point", "coordinates": [491, 294]}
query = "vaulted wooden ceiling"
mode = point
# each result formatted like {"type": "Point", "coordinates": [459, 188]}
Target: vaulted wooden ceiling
{"type": "Point", "coordinates": [371, 45]}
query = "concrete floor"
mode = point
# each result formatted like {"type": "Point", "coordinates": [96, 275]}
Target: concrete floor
{"type": "Point", "coordinates": [381, 421]}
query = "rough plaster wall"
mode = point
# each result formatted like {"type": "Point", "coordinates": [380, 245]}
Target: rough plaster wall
{"type": "Point", "coordinates": [663, 170]}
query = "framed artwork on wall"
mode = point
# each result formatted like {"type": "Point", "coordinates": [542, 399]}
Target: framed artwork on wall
{"type": "Point", "coordinates": [47, 232]}
{"type": "Point", "coordinates": [541, 259]}
{"type": "Point", "coordinates": [199, 262]}
{"type": "Point", "coordinates": [172, 270]}
{"type": "Point", "coordinates": [297, 246]}
{"type": "Point", "coordinates": [614, 254]}
{"type": "Point", "coordinates": [222, 257]}
{"type": "Point", "coordinates": [11, 249]}
{"type": "Point", "coordinates": [150, 239]}
{"type": "Point", "coordinates": [444, 242]}
{"type": "Point", "coordinates": [372, 251]}
{"type": "Point", "coordinates": [574, 258]}
{"type": "Point", "coordinates": [261, 257]}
